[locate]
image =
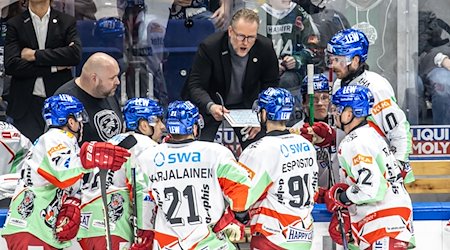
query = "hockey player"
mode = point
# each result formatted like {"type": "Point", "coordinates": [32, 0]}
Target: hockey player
{"type": "Point", "coordinates": [284, 165]}
{"type": "Point", "coordinates": [372, 186]}
{"type": "Point", "coordinates": [322, 134]}
{"type": "Point", "coordinates": [13, 147]}
{"type": "Point", "coordinates": [45, 211]}
{"type": "Point", "coordinates": [192, 181]}
{"type": "Point", "coordinates": [292, 30]}
{"type": "Point", "coordinates": [143, 121]}
{"type": "Point", "coordinates": [346, 55]}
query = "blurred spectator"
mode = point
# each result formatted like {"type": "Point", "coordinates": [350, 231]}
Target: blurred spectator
{"type": "Point", "coordinates": [7, 12]}
{"type": "Point", "coordinates": [238, 64]}
{"type": "Point", "coordinates": [41, 47]}
{"type": "Point", "coordinates": [95, 88]}
{"type": "Point", "coordinates": [145, 31]}
{"type": "Point", "coordinates": [292, 32]}
{"type": "Point", "coordinates": [434, 64]}
{"type": "Point", "coordinates": [200, 9]}
{"type": "Point", "coordinates": [328, 22]}
{"type": "Point", "coordinates": [85, 9]}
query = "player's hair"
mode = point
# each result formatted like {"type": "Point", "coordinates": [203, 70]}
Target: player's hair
{"type": "Point", "coordinates": [245, 14]}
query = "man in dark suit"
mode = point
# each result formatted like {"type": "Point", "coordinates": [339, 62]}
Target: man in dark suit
{"type": "Point", "coordinates": [41, 46]}
{"type": "Point", "coordinates": [238, 64]}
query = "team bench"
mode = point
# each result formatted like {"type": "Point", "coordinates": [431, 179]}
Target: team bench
{"type": "Point", "coordinates": [431, 177]}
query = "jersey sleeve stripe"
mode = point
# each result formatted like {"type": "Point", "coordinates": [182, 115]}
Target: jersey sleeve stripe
{"type": "Point", "coordinates": [60, 184]}
{"type": "Point", "coordinates": [236, 192]}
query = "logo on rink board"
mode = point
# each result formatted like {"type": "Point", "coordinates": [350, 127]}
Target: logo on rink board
{"type": "Point", "coordinates": [430, 143]}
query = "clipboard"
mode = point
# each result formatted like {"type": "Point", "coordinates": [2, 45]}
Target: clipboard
{"type": "Point", "coordinates": [242, 118]}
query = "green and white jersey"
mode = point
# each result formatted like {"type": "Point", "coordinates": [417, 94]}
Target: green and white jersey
{"type": "Point", "coordinates": [192, 183]}
{"type": "Point", "coordinates": [389, 119]}
{"type": "Point", "coordinates": [119, 189]}
{"type": "Point", "coordinates": [284, 165]}
{"type": "Point", "coordinates": [52, 171]}
{"type": "Point", "coordinates": [382, 206]}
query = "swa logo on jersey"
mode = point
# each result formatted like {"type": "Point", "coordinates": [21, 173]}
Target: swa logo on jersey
{"type": "Point", "coordinates": [160, 158]}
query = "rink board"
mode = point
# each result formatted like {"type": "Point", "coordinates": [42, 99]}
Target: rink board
{"type": "Point", "coordinates": [430, 219]}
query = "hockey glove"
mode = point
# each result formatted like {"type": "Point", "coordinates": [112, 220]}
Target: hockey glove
{"type": "Point", "coordinates": [68, 220]}
{"type": "Point", "coordinates": [103, 155]}
{"type": "Point", "coordinates": [332, 197]}
{"type": "Point", "coordinates": [319, 197]}
{"type": "Point", "coordinates": [320, 133]}
{"type": "Point", "coordinates": [230, 226]}
{"type": "Point", "coordinates": [144, 240]}
{"type": "Point", "coordinates": [334, 227]}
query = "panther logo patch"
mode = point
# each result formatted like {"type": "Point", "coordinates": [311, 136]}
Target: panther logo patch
{"type": "Point", "coordinates": [115, 207]}
{"type": "Point", "coordinates": [26, 207]}
{"type": "Point", "coordinates": [107, 124]}
{"type": "Point", "coordinates": [50, 213]}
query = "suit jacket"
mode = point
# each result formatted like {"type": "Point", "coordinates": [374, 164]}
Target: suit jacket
{"type": "Point", "coordinates": [21, 34]}
{"type": "Point", "coordinates": [211, 71]}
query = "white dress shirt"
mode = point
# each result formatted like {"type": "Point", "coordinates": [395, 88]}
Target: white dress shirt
{"type": "Point", "coordinates": [40, 27]}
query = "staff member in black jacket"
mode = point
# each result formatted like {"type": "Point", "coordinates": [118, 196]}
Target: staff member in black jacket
{"type": "Point", "coordinates": [41, 46]}
{"type": "Point", "coordinates": [238, 64]}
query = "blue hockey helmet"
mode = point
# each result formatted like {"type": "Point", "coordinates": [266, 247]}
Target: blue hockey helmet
{"type": "Point", "coordinates": [277, 102]}
{"type": "Point", "coordinates": [349, 43]}
{"type": "Point", "coordinates": [109, 27]}
{"type": "Point", "coordinates": [58, 108]}
{"type": "Point", "coordinates": [320, 84]}
{"type": "Point", "coordinates": [141, 108]}
{"type": "Point", "coordinates": [359, 98]}
{"type": "Point", "coordinates": [181, 117]}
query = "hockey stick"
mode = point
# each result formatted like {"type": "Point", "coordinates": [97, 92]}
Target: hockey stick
{"type": "Point", "coordinates": [223, 116]}
{"type": "Point", "coordinates": [331, 178]}
{"type": "Point", "coordinates": [310, 74]}
{"type": "Point", "coordinates": [127, 143]}
{"type": "Point", "coordinates": [223, 138]}
{"type": "Point", "coordinates": [103, 173]}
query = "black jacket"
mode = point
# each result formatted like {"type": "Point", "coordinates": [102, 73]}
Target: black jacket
{"type": "Point", "coordinates": [211, 71]}
{"type": "Point", "coordinates": [21, 34]}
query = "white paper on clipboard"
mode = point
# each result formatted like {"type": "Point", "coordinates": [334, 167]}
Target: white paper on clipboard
{"type": "Point", "coordinates": [242, 118]}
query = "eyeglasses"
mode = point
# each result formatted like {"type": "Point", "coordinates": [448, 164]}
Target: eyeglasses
{"type": "Point", "coordinates": [241, 37]}
{"type": "Point", "coordinates": [322, 98]}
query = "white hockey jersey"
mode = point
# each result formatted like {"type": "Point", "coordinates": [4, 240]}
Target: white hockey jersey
{"type": "Point", "coordinates": [382, 207]}
{"type": "Point", "coordinates": [389, 119]}
{"type": "Point", "coordinates": [13, 147]}
{"type": "Point", "coordinates": [119, 185]}
{"type": "Point", "coordinates": [192, 182]}
{"type": "Point", "coordinates": [285, 165]}
{"type": "Point", "coordinates": [51, 171]}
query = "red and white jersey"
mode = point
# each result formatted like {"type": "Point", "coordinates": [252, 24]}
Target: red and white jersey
{"type": "Point", "coordinates": [382, 206]}
{"type": "Point", "coordinates": [285, 166]}
{"type": "Point", "coordinates": [13, 148]}
{"type": "Point", "coordinates": [192, 182]}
